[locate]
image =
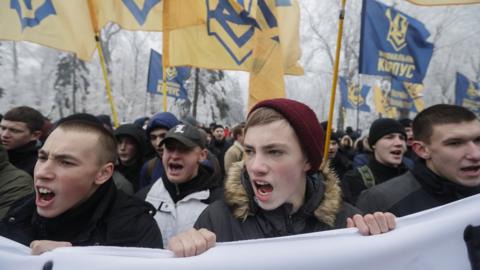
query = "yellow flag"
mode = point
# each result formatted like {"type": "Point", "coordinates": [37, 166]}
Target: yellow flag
{"type": "Point", "coordinates": [382, 105]}
{"type": "Point", "coordinates": [63, 25]}
{"type": "Point", "coordinates": [129, 14]}
{"type": "Point", "coordinates": [443, 2]}
{"type": "Point", "coordinates": [266, 75]}
{"type": "Point", "coordinates": [416, 93]}
{"type": "Point", "coordinates": [220, 34]}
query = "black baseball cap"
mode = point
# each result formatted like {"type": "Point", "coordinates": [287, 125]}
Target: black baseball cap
{"type": "Point", "coordinates": [187, 135]}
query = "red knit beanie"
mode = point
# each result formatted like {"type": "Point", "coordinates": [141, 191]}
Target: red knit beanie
{"type": "Point", "coordinates": [304, 123]}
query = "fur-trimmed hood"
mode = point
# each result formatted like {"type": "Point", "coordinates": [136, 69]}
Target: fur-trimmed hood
{"type": "Point", "coordinates": [241, 203]}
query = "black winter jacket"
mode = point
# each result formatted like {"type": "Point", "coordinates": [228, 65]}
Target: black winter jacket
{"type": "Point", "coordinates": [353, 181]}
{"type": "Point", "coordinates": [132, 172]}
{"type": "Point", "coordinates": [24, 157]}
{"type": "Point", "coordinates": [412, 192]}
{"type": "Point", "coordinates": [109, 217]}
{"type": "Point", "coordinates": [238, 217]}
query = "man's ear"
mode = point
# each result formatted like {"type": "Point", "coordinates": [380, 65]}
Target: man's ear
{"type": "Point", "coordinates": [203, 154]}
{"type": "Point", "coordinates": [105, 173]}
{"type": "Point", "coordinates": [36, 135]}
{"type": "Point", "coordinates": [307, 166]}
{"type": "Point", "coordinates": [421, 149]}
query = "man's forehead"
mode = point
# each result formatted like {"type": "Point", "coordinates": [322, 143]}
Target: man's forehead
{"type": "Point", "coordinates": [454, 130]}
{"type": "Point", "coordinates": [14, 124]}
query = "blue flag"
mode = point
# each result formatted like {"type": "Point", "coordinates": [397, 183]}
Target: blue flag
{"type": "Point", "coordinates": [352, 97]}
{"type": "Point", "coordinates": [405, 95]}
{"type": "Point", "coordinates": [467, 93]}
{"type": "Point", "coordinates": [176, 78]}
{"type": "Point", "coordinates": [393, 44]}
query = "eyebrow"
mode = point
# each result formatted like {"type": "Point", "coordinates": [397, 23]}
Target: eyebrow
{"type": "Point", "coordinates": [269, 146]}
{"type": "Point", "coordinates": [59, 156]}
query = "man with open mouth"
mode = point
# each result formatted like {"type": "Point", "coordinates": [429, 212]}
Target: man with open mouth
{"type": "Point", "coordinates": [75, 200]}
{"type": "Point", "coordinates": [387, 138]}
{"type": "Point", "coordinates": [446, 138]}
{"type": "Point", "coordinates": [187, 185]}
{"type": "Point", "coordinates": [280, 189]}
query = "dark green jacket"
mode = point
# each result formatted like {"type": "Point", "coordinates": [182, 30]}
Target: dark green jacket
{"type": "Point", "coordinates": [14, 183]}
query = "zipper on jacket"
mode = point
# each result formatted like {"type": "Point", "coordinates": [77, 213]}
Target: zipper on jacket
{"type": "Point", "coordinates": [177, 189]}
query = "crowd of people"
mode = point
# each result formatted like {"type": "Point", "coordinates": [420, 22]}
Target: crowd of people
{"type": "Point", "coordinates": [162, 182]}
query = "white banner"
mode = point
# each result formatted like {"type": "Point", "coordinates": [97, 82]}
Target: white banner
{"type": "Point", "coordinates": [432, 239]}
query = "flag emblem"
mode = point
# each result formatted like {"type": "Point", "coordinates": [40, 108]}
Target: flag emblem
{"type": "Point", "coordinates": [354, 96]}
{"type": "Point", "coordinates": [232, 29]}
{"type": "Point", "coordinates": [140, 14]}
{"type": "Point", "coordinates": [25, 15]}
{"type": "Point", "coordinates": [397, 31]}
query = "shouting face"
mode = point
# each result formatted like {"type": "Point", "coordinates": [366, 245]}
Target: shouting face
{"type": "Point", "coordinates": [276, 165]}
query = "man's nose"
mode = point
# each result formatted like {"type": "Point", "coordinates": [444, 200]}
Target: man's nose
{"type": "Point", "coordinates": [43, 170]}
{"type": "Point", "coordinates": [257, 164]}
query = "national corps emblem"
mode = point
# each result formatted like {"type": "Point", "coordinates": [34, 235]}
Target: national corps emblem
{"type": "Point", "coordinates": [397, 31]}
{"type": "Point", "coordinates": [31, 16]}
{"type": "Point", "coordinates": [171, 73]}
{"type": "Point", "coordinates": [472, 91]}
{"type": "Point", "coordinates": [232, 29]}
{"type": "Point", "coordinates": [354, 96]}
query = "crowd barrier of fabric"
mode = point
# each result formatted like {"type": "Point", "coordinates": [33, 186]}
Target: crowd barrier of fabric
{"type": "Point", "coordinates": [432, 239]}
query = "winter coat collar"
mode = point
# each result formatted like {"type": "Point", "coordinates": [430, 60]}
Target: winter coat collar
{"type": "Point", "coordinates": [323, 198]}
{"type": "Point", "coordinates": [440, 186]}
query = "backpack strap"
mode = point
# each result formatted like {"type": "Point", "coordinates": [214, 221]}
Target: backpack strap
{"type": "Point", "coordinates": [367, 176]}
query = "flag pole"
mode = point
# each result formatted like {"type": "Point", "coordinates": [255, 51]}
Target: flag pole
{"type": "Point", "coordinates": [335, 79]}
{"type": "Point", "coordinates": [102, 64]}
{"type": "Point", "coordinates": [165, 51]}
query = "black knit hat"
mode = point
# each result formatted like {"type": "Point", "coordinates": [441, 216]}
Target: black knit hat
{"type": "Point", "coordinates": [304, 123]}
{"type": "Point", "coordinates": [382, 127]}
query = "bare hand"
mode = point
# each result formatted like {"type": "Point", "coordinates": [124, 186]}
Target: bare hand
{"type": "Point", "coordinates": [371, 224]}
{"type": "Point", "coordinates": [40, 246]}
{"type": "Point", "coordinates": [192, 242]}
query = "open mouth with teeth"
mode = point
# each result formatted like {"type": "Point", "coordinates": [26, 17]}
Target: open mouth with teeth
{"type": "Point", "coordinates": [473, 170]}
{"type": "Point", "coordinates": [263, 190]}
{"type": "Point", "coordinates": [396, 152]}
{"type": "Point", "coordinates": [45, 194]}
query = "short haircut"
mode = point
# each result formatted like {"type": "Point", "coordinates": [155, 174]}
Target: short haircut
{"type": "Point", "coordinates": [440, 114]}
{"type": "Point", "coordinates": [31, 117]}
{"type": "Point", "coordinates": [238, 130]}
{"type": "Point", "coordinates": [263, 116]}
{"type": "Point", "coordinates": [107, 144]}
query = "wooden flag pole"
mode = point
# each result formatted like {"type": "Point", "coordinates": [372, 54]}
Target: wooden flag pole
{"type": "Point", "coordinates": [102, 63]}
{"type": "Point", "coordinates": [335, 80]}
{"type": "Point", "coordinates": [165, 51]}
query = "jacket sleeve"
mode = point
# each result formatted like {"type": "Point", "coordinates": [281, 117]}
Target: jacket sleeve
{"type": "Point", "coordinates": [17, 187]}
{"type": "Point", "coordinates": [218, 219]}
{"type": "Point", "coordinates": [370, 201]}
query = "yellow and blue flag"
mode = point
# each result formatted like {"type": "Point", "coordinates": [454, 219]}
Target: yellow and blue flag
{"type": "Point", "coordinates": [176, 78]}
{"type": "Point", "coordinates": [406, 95]}
{"type": "Point", "coordinates": [266, 74]}
{"type": "Point", "coordinates": [223, 34]}
{"type": "Point", "coordinates": [443, 2]}
{"type": "Point", "coordinates": [467, 93]}
{"type": "Point", "coordinates": [63, 25]}
{"type": "Point", "coordinates": [393, 44]}
{"type": "Point", "coordinates": [129, 14]}
{"type": "Point", "coordinates": [354, 97]}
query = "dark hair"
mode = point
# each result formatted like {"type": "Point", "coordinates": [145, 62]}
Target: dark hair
{"type": "Point", "coordinates": [107, 144]}
{"type": "Point", "coordinates": [31, 117]}
{"type": "Point", "coordinates": [440, 114]}
{"type": "Point", "coordinates": [238, 130]}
